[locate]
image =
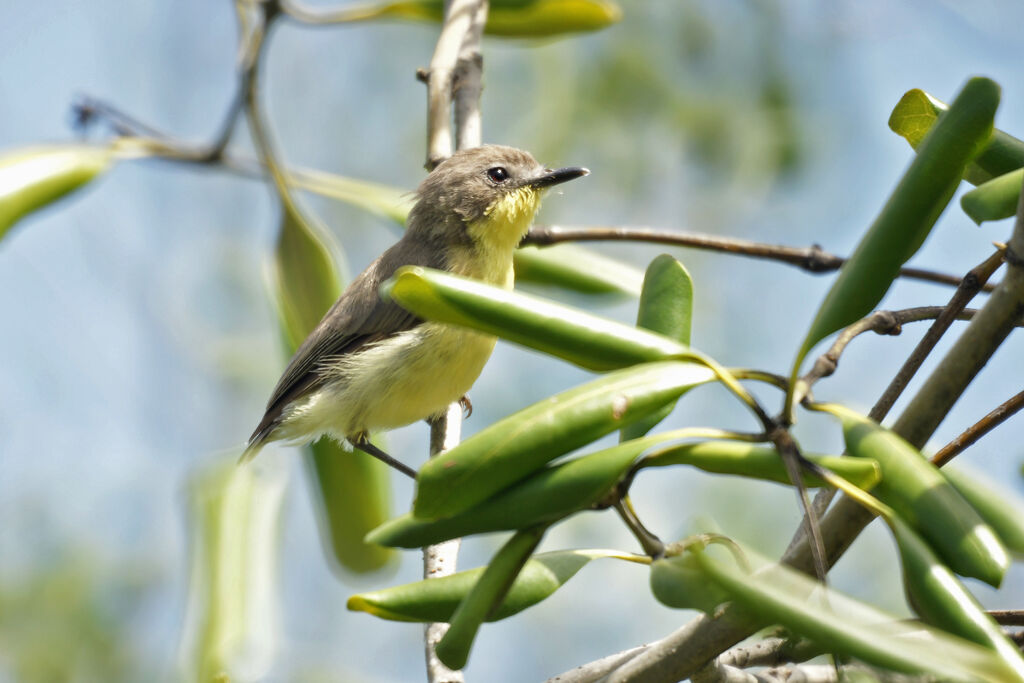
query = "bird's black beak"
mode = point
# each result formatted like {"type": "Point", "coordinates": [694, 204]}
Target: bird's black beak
{"type": "Point", "coordinates": [561, 175]}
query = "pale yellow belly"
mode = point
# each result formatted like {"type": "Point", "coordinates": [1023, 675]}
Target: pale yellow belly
{"type": "Point", "coordinates": [411, 376]}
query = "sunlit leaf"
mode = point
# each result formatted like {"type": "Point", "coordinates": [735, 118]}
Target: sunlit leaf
{"type": "Point", "coordinates": [576, 269]}
{"type": "Point", "coordinates": [35, 177]}
{"type": "Point", "coordinates": [909, 214]}
{"type": "Point", "coordinates": [916, 113]}
{"type": "Point", "coordinates": [1001, 508]}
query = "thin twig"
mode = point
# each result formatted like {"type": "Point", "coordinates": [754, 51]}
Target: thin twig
{"type": "Point", "coordinates": [812, 259]}
{"type": "Point", "coordinates": [978, 430]}
{"type": "Point", "coordinates": [1007, 617]}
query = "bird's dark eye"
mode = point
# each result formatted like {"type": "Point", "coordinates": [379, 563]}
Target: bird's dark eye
{"type": "Point", "coordinates": [497, 174]}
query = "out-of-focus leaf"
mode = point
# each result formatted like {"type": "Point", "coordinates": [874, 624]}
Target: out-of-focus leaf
{"type": "Point", "coordinates": [587, 340]}
{"type": "Point", "coordinates": [780, 595]}
{"type": "Point", "coordinates": [435, 600]}
{"type": "Point", "coordinates": [382, 200]}
{"type": "Point", "coordinates": [576, 269]}
{"type": "Point", "coordinates": [666, 307]}
{"type": "Point", "coordinates": [916, 113]}
{"type": "Point", "coordinates": [235, 524]}
{"type": "Point", "coordinates": [760, 462]}
{"type": "Point", "coordinates": [994, 200]}
{"type": "Point", "coordinates": [351, 490]}
{"type": "Point", "coordinates": [508, 18]}
{"type": "Point", "coordinates": [485, 597]}
{"type": "Point", "coordinates": [909, 214]}
{"type": "Point", "coordinates": [513, 448]}
{"type": "Point", "coordinates": [942, 600]}
{"type": "Point", "coordinates": [1001, 508]}
{"type": "Point", "coordinates": [919, 493]}
{"type": "Point", "coordinates": [681, 582]}
{"type": "Point", "coordinates": [544, 498]}
{"type": "Point", "coordinates": [35, 177]}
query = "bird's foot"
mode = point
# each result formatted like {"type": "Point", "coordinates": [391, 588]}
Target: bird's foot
{"type": "Point", "coordinates": [467, 405]}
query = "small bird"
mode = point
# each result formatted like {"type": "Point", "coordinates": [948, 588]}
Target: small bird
{"type": "Point", "coordinates": [372, 365]}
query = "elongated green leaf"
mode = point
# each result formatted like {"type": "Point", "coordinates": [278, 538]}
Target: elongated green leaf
{"type": "Point", "coordinates": [909, 214]}
{"type": "Point", "coordinates": [235, 524]}
{"type": "Point", "coordinates": [485, 597]}
{"type": "Point", "coordinates": [33, 178]}
{"type": "Point", "coordinates": [587, 340]}
{"type": "Point", "coordinates": [1002, 509]}
{"type": "Point", "coordinates": [435, 600]}
{"type": "Point", "coordinates": [919, 493]}
{"type": "Point", "coordinates": [515, 447]}
{"type": "Point", "coordinates": [994, 200]}
{"type": "Point", "coordinates": [942, 600]}
{"type": "Point", "coordinates": [759, 462]}
{"type": "Point", "coordinates": [351, 490]}
{"type": "Point", "coordinates": [780, 595]}
{"type": "Point", "coordinates": [382, 200]}
{"type": "Point", "coordinates": [544, 498]}
{"type": "Point", "coordinates": [681, 582]}
{"type": "Point", "coordinates": [576, 269]}
{"type": "Point", "coordinates": [916, 113]}
{"type": "Point", "coordinates": [666, 307]}
{"type": "Point", "coordinates": [508, 18]}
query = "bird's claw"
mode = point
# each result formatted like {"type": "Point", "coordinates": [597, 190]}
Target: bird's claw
{"type": "Point", "coordinates": [467, 405]}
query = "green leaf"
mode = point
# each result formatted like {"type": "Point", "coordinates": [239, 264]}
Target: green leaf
{"type": "Point", "coordinates": [234, 527]}
{"type": "Point", "coordinates": [35, 177]}
{"type": "Point", "coordinates": [917, 112]}
{"type": "Point", "coordinates": [921, 495]}
{"type": "Point", "coordinates": [552, 494]}
{"type": "Point", "coordinates": [435, 600]}
{"type": "Point", "coordinates": [382, 200]}
{"type": "Point", "coordinates": [909, 214]}
{"type": "Point", "coordinates": [576, 269]}
{"type": "Point", "coordinates": [759, 462]}
{"type": "Point", "coordinates": [682, 583]}
{"type": "Point", "coordinates": [995, 200]}
{"type": "Point", "coordinates": [1002, 509]}
{"type": "Point", "coordinates": [839, 624]}
{"type": "Point", "coordinates": [485, 597]}
{"type": "Point", "coordinates": [351, 490]}
{"type": "Point", "coordinates": [587, 340]}
{"type": "Point", "coordinates": [508, 18]}
{"type": "Point", "coordinates": [666, 307]}
{"type": "Point", "coordinates": [513, 448]}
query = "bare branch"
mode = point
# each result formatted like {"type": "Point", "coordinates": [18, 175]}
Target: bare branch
{"type": "Point", "coordinates": [812, 259]}
{"type": "Point", "coordinates": [978, 430]}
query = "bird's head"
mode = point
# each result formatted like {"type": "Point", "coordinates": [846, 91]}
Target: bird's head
{"type": "Point", "coordinates": [490, 193]}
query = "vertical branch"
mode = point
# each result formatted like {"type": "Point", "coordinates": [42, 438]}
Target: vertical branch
{"type": "Point", "coordinates": [455, 74]}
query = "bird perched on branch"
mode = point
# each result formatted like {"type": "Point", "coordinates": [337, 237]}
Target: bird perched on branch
{"type": "Point", "coordinates": [372, 365]}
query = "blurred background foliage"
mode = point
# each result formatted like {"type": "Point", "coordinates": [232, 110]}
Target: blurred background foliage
{"type": "Point", "coordinates": [139, 341]}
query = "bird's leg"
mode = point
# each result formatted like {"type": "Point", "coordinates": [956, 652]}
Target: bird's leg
{"type": "Point", "coordinates": [467, 405]}
{"type": "Point", "coordinates": [363, 444]}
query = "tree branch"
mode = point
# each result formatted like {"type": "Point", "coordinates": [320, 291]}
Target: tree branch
{"type": "Point", "coordinates": [812, 259]}
{"type": "Point", "coordinates": [978, 430]}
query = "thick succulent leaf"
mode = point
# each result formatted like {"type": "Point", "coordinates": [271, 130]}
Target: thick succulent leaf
{"type": "Point", "coordinates": [582, 338]}
{"type": "Point", "coordinates": [508, 18]}
{"type": "Point", "coordinates": [995, 200]}
{"type": "Point", "coordinates": [435, 600]}
{"type": "Point", "coordinates": [350, 490]}
{"type": "Point", "coordinates": [552, 494]}
{"type": "Point", "coordinates": [576, 269]}
{"type": "Point", "coordinates": [916, 113]}
{"type": "Point", "coordinates": [1001, 508]}
{"type": "Point", "coordinates": [779, 595]}
{"type": "Point", "coordinates": [759, 462]}
{"type": "Point", "coordinates": [33, 178]}
{"type": "Point", "coordinates": [909, 214]}
{"type": "Point", "coordinates": [485, 597]}
{"type": "Point", "coordinates": [515, 447]}
{"type": "Point", "coordinates": [922, 496]}
{"type": "Point", "coordinates": [666, 307]}
{"type": "Point", "coordinates": [234, 524]}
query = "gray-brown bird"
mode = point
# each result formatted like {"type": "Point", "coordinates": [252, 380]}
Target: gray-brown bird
{"type": "Point", "coordinates": [372, 365]}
